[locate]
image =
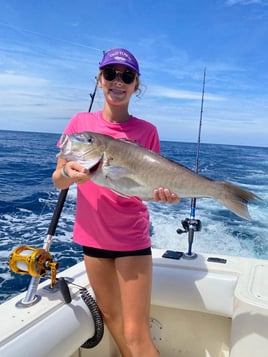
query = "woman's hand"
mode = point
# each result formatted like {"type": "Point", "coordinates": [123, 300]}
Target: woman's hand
{"type": "Point", "coordinates": [67, 173]}
{"type": "Point", "coordinates": [75, 172]}
{"type": "Point", "coordinates": [164, 195]}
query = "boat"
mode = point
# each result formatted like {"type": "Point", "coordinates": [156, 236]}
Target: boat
{"type": "Point", "coordinates": [209, 306]}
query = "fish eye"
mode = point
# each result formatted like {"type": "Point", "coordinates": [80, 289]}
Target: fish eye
{"type": "Point", "coordinates": [90, 139]}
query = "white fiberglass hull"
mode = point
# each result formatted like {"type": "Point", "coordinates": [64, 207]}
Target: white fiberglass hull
{"type": "Point", "coordinates": [199, 308]}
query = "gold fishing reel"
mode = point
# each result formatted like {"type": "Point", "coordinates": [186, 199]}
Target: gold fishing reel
{"type": "Point", "coordinates": [33, 261]}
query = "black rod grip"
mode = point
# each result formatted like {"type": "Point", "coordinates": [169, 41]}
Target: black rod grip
{"type": "Point", "coordinates": [57, 212]}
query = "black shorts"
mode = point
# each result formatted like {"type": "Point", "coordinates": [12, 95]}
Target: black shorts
{"type": "Point", "coordinates": [103, 253]}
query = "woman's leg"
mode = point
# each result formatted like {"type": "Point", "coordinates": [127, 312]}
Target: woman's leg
{"type": "Point", "coordinates": [104, 281]}
{"type": "Point", "coordinates": [123, 292]}
{"type": "Point", "coordinates": [135, 279]}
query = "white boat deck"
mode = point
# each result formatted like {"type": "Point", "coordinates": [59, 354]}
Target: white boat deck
{"type": "Point", "coordinates": [199, 309]}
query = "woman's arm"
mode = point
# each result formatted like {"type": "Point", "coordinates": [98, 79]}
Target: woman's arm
{"type": "Point", "coordinates": [67, 173]}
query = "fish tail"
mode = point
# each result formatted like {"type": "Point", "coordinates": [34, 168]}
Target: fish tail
{"type": "Point", "coordinates": [235, 199]}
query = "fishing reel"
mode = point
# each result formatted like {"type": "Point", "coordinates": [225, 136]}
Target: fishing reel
{"type": "Point", "coordinates": [190, 223]}
{"type": "Point", "coordinates": [33, 261]}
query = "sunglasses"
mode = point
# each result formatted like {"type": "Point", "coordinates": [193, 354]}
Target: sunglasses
{"type": "Point", "coordinates": [127, 76]}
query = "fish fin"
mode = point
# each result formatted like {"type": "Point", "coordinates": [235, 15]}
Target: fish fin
{"type": "Point", "coordinates": [236, 199]}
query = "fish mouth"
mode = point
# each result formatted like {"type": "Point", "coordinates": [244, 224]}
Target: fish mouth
{"type": "Point", "coordinates": [93, 169]}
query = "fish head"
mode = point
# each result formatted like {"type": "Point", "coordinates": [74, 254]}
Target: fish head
{"type": "Point", "coordinates": [86, 148]}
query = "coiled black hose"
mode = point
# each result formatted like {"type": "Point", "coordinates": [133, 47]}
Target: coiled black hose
{"type": "Point", "coordinates": [93, 308]}
{"type": "Point", "coordinates": [97, 319]}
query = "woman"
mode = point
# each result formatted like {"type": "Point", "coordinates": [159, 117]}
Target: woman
{"type": "Point", "coordinates": [114, 230]}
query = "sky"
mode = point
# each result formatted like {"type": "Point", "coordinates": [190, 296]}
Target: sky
{"type": "Point", "coordinates": [50, 51]}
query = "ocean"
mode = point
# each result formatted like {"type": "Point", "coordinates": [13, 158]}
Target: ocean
{"type": "Point", "coordinates": [28, 199]}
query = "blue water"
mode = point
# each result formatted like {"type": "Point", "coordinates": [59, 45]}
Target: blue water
{"type": "Point", "coordinates": [28, 199]}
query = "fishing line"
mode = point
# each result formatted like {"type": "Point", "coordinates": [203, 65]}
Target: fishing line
{"type": "Point", "coordinates": [31, 297]}
{"type": "Point", "coordinates": [49, 37]}
{"type": "Point", "coordinates": [47, 202]}
{"type": "Point", "coordinates": [193, 200]}
{"type": "Point", "coordinates": [191, 224]}
{"type": "Point", "coordinates": [63, 193]}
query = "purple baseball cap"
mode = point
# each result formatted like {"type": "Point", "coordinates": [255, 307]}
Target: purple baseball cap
{"type": "Point", "coordinates": [120, 56]}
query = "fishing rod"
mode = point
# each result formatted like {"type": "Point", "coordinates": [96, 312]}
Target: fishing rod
{"type": "Point", "coordinates": [38, 262]}
{"type": "Point", "coordinates": [92, 95]}
{"type": "Point", "coordinates": [192, 224]}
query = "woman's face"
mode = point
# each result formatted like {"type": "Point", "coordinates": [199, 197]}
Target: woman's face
{"type": "Point", "coordinates": [116, 91]}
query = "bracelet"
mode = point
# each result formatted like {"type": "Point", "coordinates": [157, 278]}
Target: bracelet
{"type": "Point", "coordinates": [64, 173]}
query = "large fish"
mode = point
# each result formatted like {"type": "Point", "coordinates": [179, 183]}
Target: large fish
{"type": "Point", "coordinates": [132, 170]}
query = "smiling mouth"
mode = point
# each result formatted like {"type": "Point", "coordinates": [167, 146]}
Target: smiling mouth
{"type": "Point", "coordinates": [117, 91]}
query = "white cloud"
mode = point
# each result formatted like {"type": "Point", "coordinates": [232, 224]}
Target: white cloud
{"type": "Point", "coordinates": [167, 92]}
{"type": "Point", "coordinates": [245, 2]}
{"type": "Point", "coordinates": [29, 102]}
{"type": "Point", "coordinates": [11, 80]}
